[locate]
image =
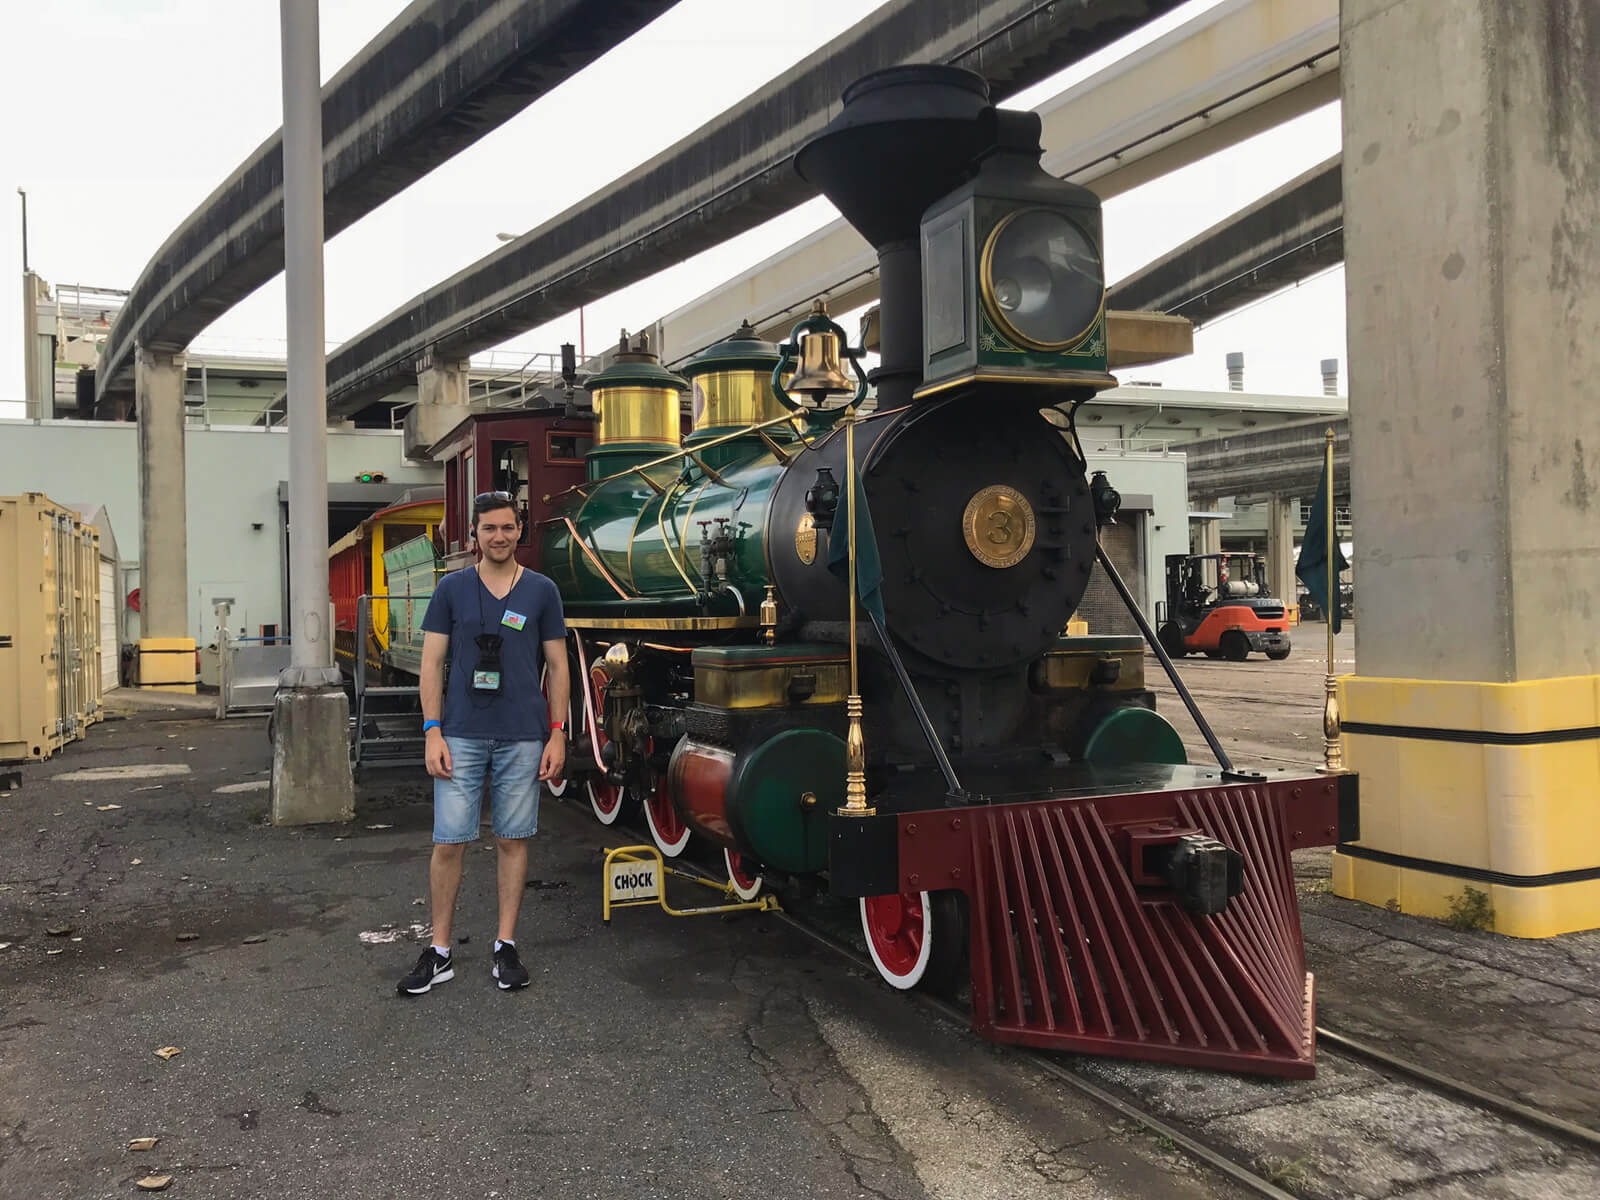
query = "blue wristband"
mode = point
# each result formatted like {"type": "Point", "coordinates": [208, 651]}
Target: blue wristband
{"type": "Point", "coordinates": [427, 725]}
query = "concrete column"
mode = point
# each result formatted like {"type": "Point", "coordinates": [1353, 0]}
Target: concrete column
{"type": "Point", "coordinates": [442, 402]}
{"type": "Point", "coordinates": [166, 647]}
{"type": "Point", "coordinates": [1281, 514]}
{"type": "Point", "coordinates": [38, 400]}
{"type": "Point", "coordinates": [1472, 159]}
{"type": "Point", "coordinates": [1208, 533]}
{"type": "Point", "coordinates": [311, 779]}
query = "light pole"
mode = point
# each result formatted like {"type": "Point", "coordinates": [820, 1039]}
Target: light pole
{"type": "Point", "coordinates": [24, 196]}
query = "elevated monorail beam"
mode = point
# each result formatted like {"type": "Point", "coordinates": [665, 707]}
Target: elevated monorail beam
{"type": "Point", "coordinates": [1285, 461]}
{"type": "Point", "coordinates": [1281, 239]}
{"type": "Point", "coordinates": [1220, 76]}
{"type": "Point", "coordinates": [727, 177]}
{"type": "Point", "coordinates": [439, 77]}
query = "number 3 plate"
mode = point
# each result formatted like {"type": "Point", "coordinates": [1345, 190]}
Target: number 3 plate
{"type": "Point", "coordinates": [998, 526]}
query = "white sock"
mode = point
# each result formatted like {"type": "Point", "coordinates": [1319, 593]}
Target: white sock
{"type": "Point", "coordinates": [441, 951]}
{"type": "Point", "coordinates": [498, 943]}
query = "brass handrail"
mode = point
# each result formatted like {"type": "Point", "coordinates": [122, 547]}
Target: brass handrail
{"type": "Point", "coordinates": [577, 538]}
{"type": "Point", "coordinates": [680, 454]}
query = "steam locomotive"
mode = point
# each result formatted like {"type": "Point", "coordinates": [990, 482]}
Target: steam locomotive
{"type": "Point", "coordinates": [1002, 800]}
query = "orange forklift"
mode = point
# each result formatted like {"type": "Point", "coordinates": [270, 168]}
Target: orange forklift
{"type": "Point", "coordinates": [1217, 604]}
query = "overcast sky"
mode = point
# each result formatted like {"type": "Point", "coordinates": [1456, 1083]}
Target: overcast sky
{"type": "Point", "coordinates": [121, 116]}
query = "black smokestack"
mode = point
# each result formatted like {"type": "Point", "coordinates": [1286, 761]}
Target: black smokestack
{"type": "Point", "coordinates": [906, 136]}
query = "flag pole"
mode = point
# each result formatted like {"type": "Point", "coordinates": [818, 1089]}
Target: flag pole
{"type": "Point", "coordinates": [855, 748]}
{"type": "Point", "coordinates": [1333, 750]}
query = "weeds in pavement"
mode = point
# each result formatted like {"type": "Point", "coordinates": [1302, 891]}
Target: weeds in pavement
{"type": "Point", "coordinates": [1470, 910]}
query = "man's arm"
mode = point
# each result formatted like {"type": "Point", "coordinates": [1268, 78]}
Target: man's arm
{"type": "Point", "coordinates": [435, 648]}
{"type": "Point", "coordinates": [558, 690]}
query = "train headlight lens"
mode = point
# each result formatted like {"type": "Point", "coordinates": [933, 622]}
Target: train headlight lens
{"type": "Point", "coordinates": [1043, 279]}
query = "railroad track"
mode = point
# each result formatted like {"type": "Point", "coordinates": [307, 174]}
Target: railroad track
{"type": "Point", "coordinates": [1531, 1119]}
{"type": "Point", "coordinates": [1218, 1158]}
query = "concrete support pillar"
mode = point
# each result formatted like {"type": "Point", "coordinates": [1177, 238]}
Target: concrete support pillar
{"type": "Point", "coordinates": [38, 371]}
{"type": "Point", "coordinates": [166, 646]}
{"type": "Point", "coordinates": [1207, 533]}
{"type": "Point", "coordinates": [1472, 159]}
{"type": "Point", "coordinates": [442, 402]}
{"type": "Point", "coordinates": [1281, 514]}
{"type": "Point", "coordinates": [311, 778]}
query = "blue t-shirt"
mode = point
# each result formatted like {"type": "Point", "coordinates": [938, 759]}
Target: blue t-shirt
{"type": "Point", "coordinates": [529, 615]}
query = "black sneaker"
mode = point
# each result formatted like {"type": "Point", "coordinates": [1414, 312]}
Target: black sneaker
{"type": "Point", "coordinates": [432, 967]}
{"type": "Point", "coordinates": [508, 969]}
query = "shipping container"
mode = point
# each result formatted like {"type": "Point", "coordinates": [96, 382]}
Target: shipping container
{"type": "Point", "coordinates": [49, 626]}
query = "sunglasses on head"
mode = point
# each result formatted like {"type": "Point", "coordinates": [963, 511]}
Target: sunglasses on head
{"type": "Point", "coordinates": [485, 497]}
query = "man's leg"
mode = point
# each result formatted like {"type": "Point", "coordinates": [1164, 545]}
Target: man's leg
{"type": "Point", "coordinates": [513, 882]}
{"type": "Point", "coordinates": [457, 802]}
{"type": "Point", "coordinates": [444, 878]}
{"type": "Point", "coordinates": [515, 788]}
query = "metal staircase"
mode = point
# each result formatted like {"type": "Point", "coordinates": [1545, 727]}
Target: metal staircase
{"type": "Point", "coordinates": [385, 720]}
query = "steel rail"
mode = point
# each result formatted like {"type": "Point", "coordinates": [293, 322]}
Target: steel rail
{"type": "Point", "coordinates": [1531, 1118]}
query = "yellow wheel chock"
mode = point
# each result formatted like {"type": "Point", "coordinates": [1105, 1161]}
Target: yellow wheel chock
{"type": "Point", "coordinates": [637, 875]}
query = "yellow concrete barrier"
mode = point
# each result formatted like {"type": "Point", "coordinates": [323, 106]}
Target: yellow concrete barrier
{"type": "Point", "coordinates": [1487, 786]}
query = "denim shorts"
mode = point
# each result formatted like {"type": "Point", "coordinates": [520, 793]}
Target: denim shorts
{"type": "Point", "coordinates": [512, 771]}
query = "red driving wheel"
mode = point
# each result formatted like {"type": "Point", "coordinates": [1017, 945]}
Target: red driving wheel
{"type": "Point", "coordinates": [743, 876]}
{"type": "Point", "coordinates": [667, 829]}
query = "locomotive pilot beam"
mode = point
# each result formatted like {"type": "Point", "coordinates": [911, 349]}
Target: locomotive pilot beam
{"type": "Point", "coordinates": [900, 715]}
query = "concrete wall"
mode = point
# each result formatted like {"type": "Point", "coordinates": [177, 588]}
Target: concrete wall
{"type": "Point", "coordinates": [232, 477]}
{"type": "Point", "coordinates": [1162, 477]}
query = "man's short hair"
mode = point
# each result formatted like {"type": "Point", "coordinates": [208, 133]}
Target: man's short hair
{"type": "Point", "coordinates": [485, 502]}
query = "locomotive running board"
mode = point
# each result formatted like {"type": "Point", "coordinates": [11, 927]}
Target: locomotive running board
{"type": "Point", "coordinates": [1070, 951]}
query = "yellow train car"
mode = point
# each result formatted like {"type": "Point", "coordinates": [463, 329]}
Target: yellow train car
{"type": "Point", "coordinates": [355, 569]}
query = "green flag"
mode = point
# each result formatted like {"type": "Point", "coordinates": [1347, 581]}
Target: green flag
{"type": "Point", "coordinates": [1312, 566]}
{"type": "Point", "coordinates": [869, 568]}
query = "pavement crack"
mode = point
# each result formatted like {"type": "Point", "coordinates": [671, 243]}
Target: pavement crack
{"type": "Point", "coordinates": [806, 1077]}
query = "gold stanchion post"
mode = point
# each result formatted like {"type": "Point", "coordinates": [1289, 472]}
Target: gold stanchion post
{"type": "Point", "coordinates": [855, 747]}
{"type": "Point", "coordinates": [1333, 748]}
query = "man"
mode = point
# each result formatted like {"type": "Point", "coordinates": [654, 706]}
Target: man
{"type": "Point", "coordinates": [495, 622]}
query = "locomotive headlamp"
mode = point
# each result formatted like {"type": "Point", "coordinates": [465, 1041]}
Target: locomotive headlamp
{"type": "Point", "coordinates": [1042, 279]}
{"type": "Point", "coordinates": [1013, 281]}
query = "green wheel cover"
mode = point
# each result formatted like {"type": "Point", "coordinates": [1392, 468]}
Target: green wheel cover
{"type": "Point", "coordinates": [764, 798]}
{"type": "Point", "coordinates": [1130, 735]}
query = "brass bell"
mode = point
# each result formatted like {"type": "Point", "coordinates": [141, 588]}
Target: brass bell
{"type": "Point", "coordinates": [819, 373]}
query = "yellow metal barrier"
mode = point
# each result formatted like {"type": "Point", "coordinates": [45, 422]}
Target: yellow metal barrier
{"type": "Point", "coordinates": [637, 875]}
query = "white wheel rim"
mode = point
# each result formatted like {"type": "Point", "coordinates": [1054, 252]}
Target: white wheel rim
{"type": "Point", "coordinates": [670, 849]}
{"type": "Point", "coordinates": [739, 889]}
{"type": "Point", "coordinates": [600, 814]}
{"type": "Point", "coordinates": [914, 976]}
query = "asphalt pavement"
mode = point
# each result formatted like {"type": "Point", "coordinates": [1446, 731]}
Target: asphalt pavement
{"type": "Point", "coordinates": [147, 905]}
